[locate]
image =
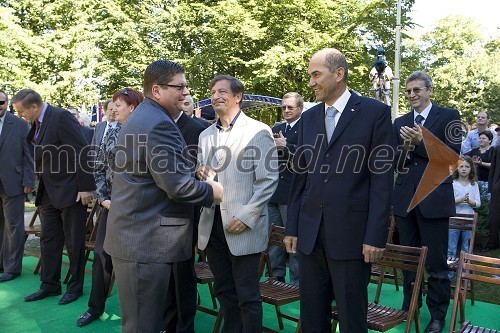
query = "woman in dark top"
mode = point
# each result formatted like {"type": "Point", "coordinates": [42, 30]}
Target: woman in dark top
{"type": "Point", "coordinates": [482, 159]}
{"type": "Point", "coordinates": [125, 101]}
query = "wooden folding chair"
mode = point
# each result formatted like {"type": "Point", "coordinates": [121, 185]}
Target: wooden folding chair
{"type": "Point", "coordinates": [204, 276]}
{"type": "Point", "coordinates": [379, 274]}
{"type": "Point", "coordinates": [34, 228]}
{"type": "Point", "coordinates": [464, 222]}
{"type": "Point", "coordinates": [472, 268]}
{"type": "Point", "coordinates": [382, 318]}
{"type": "Point", "coordinates": [91, 210]}
{"type": "Point", "coordinates": [273, 291]}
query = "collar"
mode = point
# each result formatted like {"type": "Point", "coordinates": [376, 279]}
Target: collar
{"type": "Point", "coordinates": [42, 114]}
{"type": "Point", "coordinates": [113, 123]}
{"type": "Point", "coordinates": [219, 125]}
{"type": "Point", "coordinates": [2, 119]}
{"type": "Point", "coordinates": [178, 117]}
{"type": "Point", "coordinates": [424, 113]}
{"type": "Point", "coordinates": [293, 122]}
{"type": "Point", "coordinates": [341, 102]}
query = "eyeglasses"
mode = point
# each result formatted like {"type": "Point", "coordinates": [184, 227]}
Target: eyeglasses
{"type": "Point", "coordinates": [289, 107]}
{"type": "Point", "coordinates": [2, 102]}
{"type": "Point", "coordinates": [179, 87]}
{"type": "Point", "coordinates": [416, 91]}
{"type": "Point", "coordinates": [124, 92]}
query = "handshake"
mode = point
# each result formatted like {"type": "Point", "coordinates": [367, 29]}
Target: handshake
{"type": "Point", "coordinates": [207, 175]}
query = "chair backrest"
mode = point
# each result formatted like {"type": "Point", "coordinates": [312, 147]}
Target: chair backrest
{"type": "Point", "coordinates": [91, 222]}
{"type": "Point", "coordinates": [465, 222]}
{"type": "Point", "coordinates": [406, 258]}
{"type": "Point", "coordinates": [276, 235]}
{"type": "Point", "coordinates": [36, 213]}
{"type": "Point", "coordinates": [472, 267]}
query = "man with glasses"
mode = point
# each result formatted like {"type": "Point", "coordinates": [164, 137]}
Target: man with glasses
{"type": "Point", "coordinates": [17, 177]}
{"type": "Point", "coordinates": [427, 223]}
{"type": "Point", "coordinates": [285, 138]}
{"type": "Point", "coordinates": [150, 222]}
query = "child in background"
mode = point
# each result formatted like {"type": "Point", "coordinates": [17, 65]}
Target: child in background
{"type": "Point", "coordinates": [467, 197]}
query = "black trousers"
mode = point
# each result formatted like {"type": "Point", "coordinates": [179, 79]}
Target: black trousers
{"type": "Point", "coordinates": [236, 283]}
{"type": "Point", "coordinates": [416, 230]}
{"type": "Point", "coordinates": [59, 227]}
{"type": "Point", "coordinates": [494, 221]}
{"type": "Point", "coordinates": [102, 268]}
{"type": "Point", "coordinates": [321, 278]}
{"type": "Point", "coordinates": [11, 232]}
{"type": "Point", "coordinates": [181, 302]}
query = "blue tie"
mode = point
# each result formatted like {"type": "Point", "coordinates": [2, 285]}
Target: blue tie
{"type": "Point", "coordinates": [419, 119]}
{"type": "Point", "coordinates": [288, 127]}
{"type": "Point", "coordinates": [330, 122]}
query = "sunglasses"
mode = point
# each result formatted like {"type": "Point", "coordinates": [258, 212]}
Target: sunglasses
{"type": "Point", "coordinates": [3, 102]}
{"type": "Point", "coordinates": [124, 92]}
{"type": "Point", "coordinates": [289, 107]}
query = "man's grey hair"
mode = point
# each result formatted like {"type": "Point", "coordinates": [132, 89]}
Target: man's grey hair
{"type": "Point", "coordinates": [420, 75]}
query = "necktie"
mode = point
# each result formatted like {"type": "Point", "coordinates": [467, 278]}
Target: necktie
{"type": "Point", "coordinates": [330, 122]}
{"type": "Point", "coordinates": [288, 127]}
{"type": "Point", "coordinates": [419, 119]}
{"type": "Point", "coordinates": [37, 128]}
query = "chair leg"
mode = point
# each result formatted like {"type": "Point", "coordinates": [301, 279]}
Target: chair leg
{"type": "Point", "coordinates": [280, 319]}
{"type": "Point", "coordinates": [471, 292]}
{"type": "Point", "coordinates": [396, 282]}
{"type": "Point", "coordinates": [38, 265]}
{"type": "Point", "coordinates": [379, 285]}
{"type": "Point", "coordinates": [212, 295]}
{"type": "Point", "coordinates": [298, 329]}
{"type": "Point", "coordinates": [218, 322]}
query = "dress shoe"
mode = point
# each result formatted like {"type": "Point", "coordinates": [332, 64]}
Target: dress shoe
{"type": "Point", "coordinates": [8, 276]}
{"type": "Point", "coordinates": [69, 298]}
{"type": "Point", "coordinates": [41, 294]}
{"type": "Point", "coordinates": [434, 326]}
{"type": "Point", "coordinates": [86, 319]}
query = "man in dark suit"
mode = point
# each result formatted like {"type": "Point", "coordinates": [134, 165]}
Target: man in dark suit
{"type": "Point", "coordinates": [285, 137]}
{"type": "Point", "coordinates": [427, 223]}
{"type": "Point", "coordinates": [17, 176]}
{"type": "Point", "coordinates": [153, 195]}
{"type": "Point", "coordinates": [189, 110]}
{"type": "Point", "coordinates": [338, 207]}
{"type": "Point", "coordinates": [64, 190]}
{"type": "Point", "coordinates": [182, 307]}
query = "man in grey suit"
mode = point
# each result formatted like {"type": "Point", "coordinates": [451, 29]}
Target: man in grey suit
{"type": "Point", "coordinates": [243, 155]}
{"type": "Point", "coordinates": [150, 221]}
{"type": "Point", "coordinates": [17, 176]}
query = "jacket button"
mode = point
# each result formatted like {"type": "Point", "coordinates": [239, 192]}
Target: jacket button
{"type": "Point", "coordinates": [326, 180]}
{"type": "Point", "coordinates": [327, 155]}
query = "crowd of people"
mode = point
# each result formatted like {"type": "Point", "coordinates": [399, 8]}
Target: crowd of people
{"type": "Point", "coordinates": [169, 182]}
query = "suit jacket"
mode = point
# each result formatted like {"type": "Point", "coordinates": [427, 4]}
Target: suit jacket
{"type": "Point", "coordinates": [61, 158]}
{"type": "Point", "coordinates": [88, 134]}
{"type": "Point", "coordinates": [202, 121]}
{"type": "Point", "coordinates": [249, 177]}
{"type": "Point", "coordinates": [494, 175]}
{"type": "Point", "coordinates": [441, 202]}
{"type": "Point", "coordinates": [339, 182]}
{"type": "Point", "coordinates": [16, 156]}
{"type": "Point", "coordinates": [99, 130]}
{"type": "Point", "coordinates": [190, 130]}
{"type": "Point", "coordinates": [285, 157]}
{"type": "Point", "coordinates": [151, 217]}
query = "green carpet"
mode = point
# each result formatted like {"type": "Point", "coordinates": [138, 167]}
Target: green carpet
{"type": "Point", "coordinates": [47, 316]}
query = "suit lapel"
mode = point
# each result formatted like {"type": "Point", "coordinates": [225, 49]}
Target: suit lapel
{"type": "Point", "coordinates": [237, 127]}
{"type": "Point", "coordinates": [45, 123]}
{"type": "Point", "coordinates": [432, 118]}
{"type": "Point", "coordinates": [7, 127]}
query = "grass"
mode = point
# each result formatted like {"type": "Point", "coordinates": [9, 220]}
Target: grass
{"type": "Point", "coordinates": [29, 207]}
